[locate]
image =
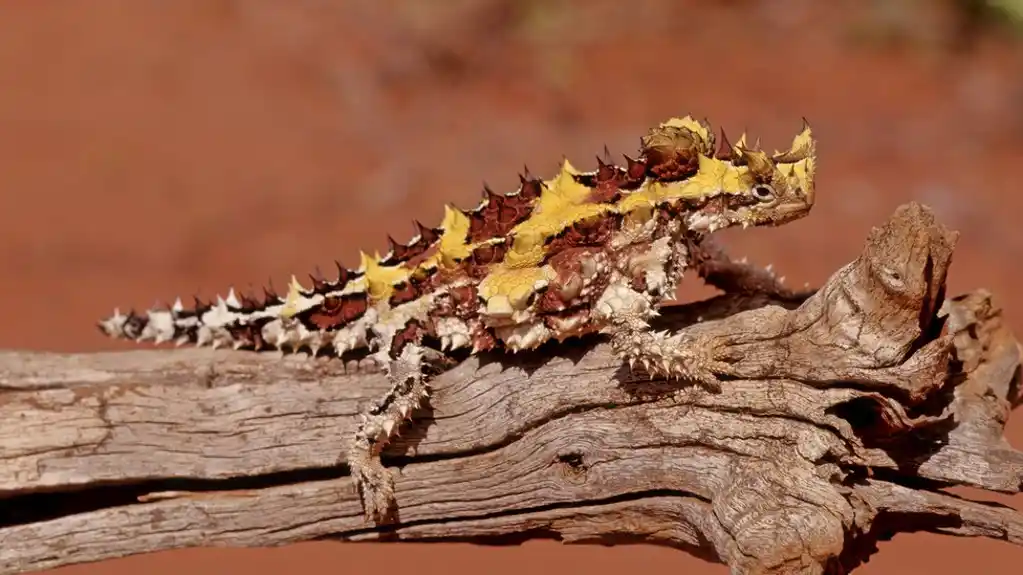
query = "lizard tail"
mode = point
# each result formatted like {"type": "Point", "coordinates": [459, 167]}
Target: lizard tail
{"type": "Point", "coordinates": [332, 313]}
{"type": "Point", "coordinates": [228, 321]}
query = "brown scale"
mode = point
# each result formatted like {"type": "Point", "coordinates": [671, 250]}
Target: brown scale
{"type": "Point", "coordinates": [635, 171]}
{"type": "Point", "coordinates": [424, 278]}
{"type": "Point", "coordinates": [401, 253]}
{"type": "Point", "coordinates": [673, 211]}
{"type": "Point", "coordinates": [551, 301]}
{"type": "Point", "coordinates": [248, 334]}
{"type": "Point", "coordinates": [431, 279]}
{"type": "Point", "coordinates": [503, 212]}
{"type": "Point", "coordinates": [335, 311]}
{"type": "Point", "coordinates": [134, 324]}
{"type": "Point", "coordinates": [563, 295]}
{"type": "Point", "coordinates": [567, 265]}
{"type": "Point", "coordinates": [421, 281]}
{"type": "Point", "coordinates": [478, 264]}
{"type": "Point", "coordinates": [270, 296]}
{"type": "Point", "coordinates": [199, 307]}
{"type": "Point", "coordinates": [595, 231]}
{"type": "Point", "coordinates": [331, 313]}
{"type": "Point", "coordinates": [610, 180]}
{"type": "Point", "coordinates": [322, 286]}
{"type": "Point", "coordinates": [530, 187]}
{"type": "Point", "coordinates": [464, 301]}
{"type": "Point", "coordinates": [482, 338]}
{"type": "Point", "coordinates": [638, 281]}
{"type": "Point", "coordinates": [461, 302]}
{"type": "Point", "coordinates": [251, 335]}
{"type": "Point", "coordinates": [249, 303]}
{"type": "Point", "coordinates": [403, 292]}
{"type": "Point", "coordinates": [191, 332]}
{"type": "Point", "coordinates": [676, 209]}
{"type": "Point", "coordinates": [413, 332]}
{"type": "Point", "coordinates": [761, 166]}
{"type": "Point", "coordinates": [673, 153]}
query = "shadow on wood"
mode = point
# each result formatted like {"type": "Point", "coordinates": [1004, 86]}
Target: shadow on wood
{"type": "Point", "coordinates": [847, 412]}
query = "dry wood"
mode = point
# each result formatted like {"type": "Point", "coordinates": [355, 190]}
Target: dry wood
{"type": "Point", "coordinates": [850, 410]}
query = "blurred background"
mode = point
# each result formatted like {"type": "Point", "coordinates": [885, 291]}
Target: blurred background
{"type": "Point", "coordinates": [153, 149]}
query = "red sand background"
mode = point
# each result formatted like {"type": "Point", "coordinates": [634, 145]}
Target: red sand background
{"type": "Point", "coordinates": [151, 149]}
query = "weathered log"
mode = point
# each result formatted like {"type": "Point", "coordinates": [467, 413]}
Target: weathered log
{"type": "Point", "coordinates": [848, 411]}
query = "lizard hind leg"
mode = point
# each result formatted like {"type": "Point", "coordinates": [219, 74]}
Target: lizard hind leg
{"type": "Point", "coordinates": [626, 314]}
{"type": "Point", "coordinates": [380, 424]}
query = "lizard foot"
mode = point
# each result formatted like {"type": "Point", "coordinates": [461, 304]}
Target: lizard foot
{"type": "Point", "coordinates": [671, 356]}
{"type": "Point", "coordinates": [379, 425]}
{"type": "Point", "coordinates": [626, 314]}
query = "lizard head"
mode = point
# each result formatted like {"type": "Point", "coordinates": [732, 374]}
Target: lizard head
{"type": "Point", "coordinates": [736, 185]}
{"type": "Point", "coordinates": [768, 190]}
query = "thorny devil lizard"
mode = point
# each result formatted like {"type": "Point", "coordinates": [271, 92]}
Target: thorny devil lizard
{"type": "Point", "coordinates": [580, 253]}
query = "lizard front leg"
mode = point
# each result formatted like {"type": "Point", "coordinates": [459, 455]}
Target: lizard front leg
{"type": "Point", "coordinates": [380, 423]}
{"type": "Point", "coordinates": [626, 314]}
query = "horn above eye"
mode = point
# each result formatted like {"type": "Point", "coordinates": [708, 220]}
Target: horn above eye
{"type": "Point", "coordinates": [759, 163]}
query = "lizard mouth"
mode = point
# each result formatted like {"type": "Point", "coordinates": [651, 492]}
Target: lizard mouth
{"type": "Point", "coordinates": [794, 209]}
{"type": "Point", "coordinates": [788, 213]}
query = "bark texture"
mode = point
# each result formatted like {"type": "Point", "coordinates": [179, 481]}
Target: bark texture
{"type": "Point", "coordinates": [847, 413]}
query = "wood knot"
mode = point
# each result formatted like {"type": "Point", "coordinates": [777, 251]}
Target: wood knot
{"type": "Point", "coordinates": [572, 466]}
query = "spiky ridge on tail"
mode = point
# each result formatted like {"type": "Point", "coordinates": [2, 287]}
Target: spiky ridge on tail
{"type": "Point", "coordinates": [246, 322]}
{"type": "Point", "coordinates": [216, 324]}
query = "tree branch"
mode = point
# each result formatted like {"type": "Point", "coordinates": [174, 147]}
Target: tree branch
{"type": "Point", "coordinates": [848, 411]}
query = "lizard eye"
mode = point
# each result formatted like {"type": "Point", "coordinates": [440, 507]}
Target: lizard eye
{"type": "Point", "coordinates": [763, 192]}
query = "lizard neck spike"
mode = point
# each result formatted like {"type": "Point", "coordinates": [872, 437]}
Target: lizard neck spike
{"type": "Point", "coordinates": [606, 170]}
{"type": "Point", "coordinates": [725, 151]}
{"type": "Point", "coordinates": [428, 235]}
{"type": "Point", "coordinates": [635, 169]}
{"type": "Point", "coordinates": [489, 194]}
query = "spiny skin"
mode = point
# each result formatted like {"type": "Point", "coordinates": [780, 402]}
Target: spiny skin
{"type": "Point", "coordinates": [579, 253]}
